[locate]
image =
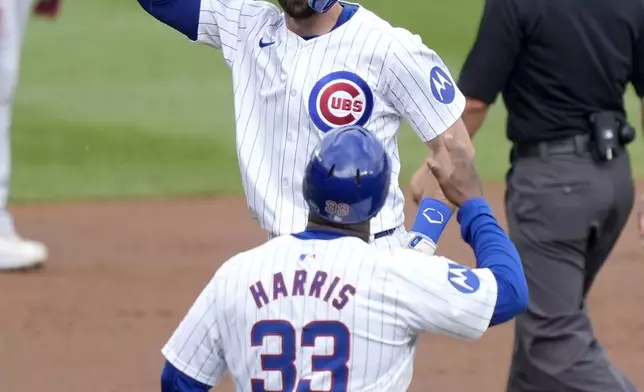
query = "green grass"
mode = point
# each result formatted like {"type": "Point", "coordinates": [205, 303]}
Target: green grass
{"type": "Point", "coordinates": [114, 104]}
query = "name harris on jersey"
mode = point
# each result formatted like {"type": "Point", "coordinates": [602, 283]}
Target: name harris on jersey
{"type": "Point", "coordinates": [316, 284]}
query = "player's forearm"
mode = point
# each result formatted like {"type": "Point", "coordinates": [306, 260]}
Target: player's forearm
{"type": "Point", "coordinates": [173, 380]}
{"type": "Point", "coordinates": [424, 184]}
{"type": "Point", "coordinates": [428, 194]}
{"type": "Point", "coordinates": [181, 15]}
{"type": "Point", "coordinates": [474, 115]}
{"type": "Point", "coordinates": [495, 251]}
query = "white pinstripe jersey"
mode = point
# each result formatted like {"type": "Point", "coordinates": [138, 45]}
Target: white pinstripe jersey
{"type": "Point", "coordinates": [288, 91]}
{"type": "Point", "coordinates": [326, 315]}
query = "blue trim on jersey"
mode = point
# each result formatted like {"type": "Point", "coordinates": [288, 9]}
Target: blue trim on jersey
{"type": "Point", "coordinates": [348, 10]}
{"type": "Point", "coordinates": [173, 380]}
{"type": "Point", "coordinates": [181, 15]}
{"type": "Point", "coordinates": [494, 250]}
{"type": "Point", "coordinates": [319, 235]}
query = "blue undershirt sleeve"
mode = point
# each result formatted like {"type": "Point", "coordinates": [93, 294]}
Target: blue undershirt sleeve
{"type": "Point", "coordinates": [173, 380]}
{"type": "Point", "coordinates": [494, 250]}
{"type": "Point", "coordinates": [181, 15]}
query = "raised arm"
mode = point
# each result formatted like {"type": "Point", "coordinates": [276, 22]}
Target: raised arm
{"type": "Point", "coordinates": [442, 296]}
{"type": "Point", "coordinates": [211, 22]}
{"type": "Point", "coordinates": [421, 88]}
{"type": "Point", "coordinates": [494, 252]}
{"type": "Point", "coordinates": [485, 72]}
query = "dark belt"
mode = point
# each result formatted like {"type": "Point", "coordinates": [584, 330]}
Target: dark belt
{"type": "Point", "coordinates": [384, 233]}
{"type": "Point", "coordinates": [579, 144]}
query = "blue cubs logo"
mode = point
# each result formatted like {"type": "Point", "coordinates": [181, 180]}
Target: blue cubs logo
{"type": "Point", "coordinates": [463, 279]}
{"type": "Point", "coordinates": [442, 86]}
{"type": "Point", "coordinates": [338, 99]}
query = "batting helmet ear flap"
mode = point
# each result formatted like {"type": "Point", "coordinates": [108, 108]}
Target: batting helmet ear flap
{"type": "Point", "coordinates": [322, 6]}
{"type": "Point", "coordinates": [347, 179]}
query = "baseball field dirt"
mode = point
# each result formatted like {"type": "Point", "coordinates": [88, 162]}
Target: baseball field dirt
{"type": "Point", "coordinates": [122, 275]}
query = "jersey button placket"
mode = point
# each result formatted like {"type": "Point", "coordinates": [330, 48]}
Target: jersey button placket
{"type": "Point", "coordinates": [294, 116]}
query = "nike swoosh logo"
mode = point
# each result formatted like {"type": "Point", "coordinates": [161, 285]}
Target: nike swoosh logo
{"type": "Point", "coordinates": [263, 44]}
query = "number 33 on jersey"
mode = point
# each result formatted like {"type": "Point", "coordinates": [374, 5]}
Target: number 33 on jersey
{"type": "Point", "coordinates": [336, 363]}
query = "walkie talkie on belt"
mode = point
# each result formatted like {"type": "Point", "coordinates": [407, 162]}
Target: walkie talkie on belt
{"type": "Point", "coordinates": [610, 131]}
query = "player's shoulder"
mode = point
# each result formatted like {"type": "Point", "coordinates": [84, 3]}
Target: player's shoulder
{"type": "Point", "coordinates": [413, 255]}
{"type": "Point", "coordinates": [259, 254]}
{"type": "Point", "coordinates": [258, 5]}
{"type": "Point", "coordinates": [247, 8]}
{"type": "Point", "coordinates": [248, 259]}
{"type": "Point", "coordinates": [409, 260]}
{"type": "Point", "coordinates": [255, 12]}
{"type": "Point", "coordinates": [393, 37]}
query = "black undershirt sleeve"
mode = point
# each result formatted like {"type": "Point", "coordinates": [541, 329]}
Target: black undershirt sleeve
{"type": "Point", "coordinates": [493, 54]}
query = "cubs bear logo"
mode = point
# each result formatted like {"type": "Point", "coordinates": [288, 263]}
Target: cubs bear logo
{"type": "Point", "coordinates": [338, 99]}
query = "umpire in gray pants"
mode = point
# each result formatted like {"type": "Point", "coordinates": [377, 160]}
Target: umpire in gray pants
{"type": "Point", "coordinates": [562, 68]}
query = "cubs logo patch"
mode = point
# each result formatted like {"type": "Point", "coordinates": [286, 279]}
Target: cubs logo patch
{"type": "Point", "coordinates": [338, 99]}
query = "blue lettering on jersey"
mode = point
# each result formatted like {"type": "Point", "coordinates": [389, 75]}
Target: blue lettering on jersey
{"type": "Point", "coordinates": [316, 284]}
{"type": "Point", "coordinates": [463, 279]}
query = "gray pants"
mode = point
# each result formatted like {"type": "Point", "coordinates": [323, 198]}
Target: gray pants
{"type": "Point", "coordinates": [565, 214]}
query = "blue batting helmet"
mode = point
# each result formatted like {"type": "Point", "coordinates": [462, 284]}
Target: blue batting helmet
{"type": "Point", "coordinates": [322, 6]}
{"type": "Point", "coordinates": [348, 176]}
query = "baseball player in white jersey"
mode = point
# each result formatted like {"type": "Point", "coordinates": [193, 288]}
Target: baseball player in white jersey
{"type": "Point", "coordinates": [316, 66]}
{"type": "Point", "coordinates": [15, 252]}
{"type": "Point", "coordinates": [322, 310]}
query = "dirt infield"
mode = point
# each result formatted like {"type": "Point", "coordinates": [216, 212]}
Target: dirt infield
{"type": "Point", "coordinates": [121, 276]}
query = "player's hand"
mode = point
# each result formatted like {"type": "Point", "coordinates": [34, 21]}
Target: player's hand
{"type": "Point", "coordinates": [417, 184]}
{"type": "Point", "coordinates": [424, 183]}
{"type": "Point", "coordinates": [455, 173]}
{"type": "Point", "coordinates": [641, 219]}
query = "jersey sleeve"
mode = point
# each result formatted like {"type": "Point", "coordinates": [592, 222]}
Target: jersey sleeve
{"type": "Point", "coordinates": [195, 347]}
{"type": "Point", "coordinates": [420, 87]}
{"type": "Point", "coordinates": [441, 296]}
{"type": "Point", "coordinates": [219, 24]}
{"type": "Point", "coordinates": [212, 22]}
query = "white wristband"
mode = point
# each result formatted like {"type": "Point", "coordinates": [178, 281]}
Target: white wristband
{"type": "Point", "coordinates": [421, 243]}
